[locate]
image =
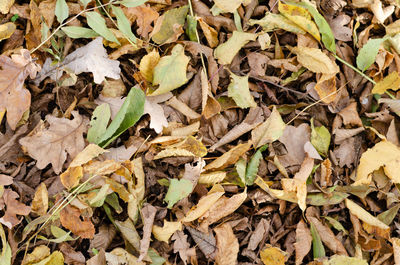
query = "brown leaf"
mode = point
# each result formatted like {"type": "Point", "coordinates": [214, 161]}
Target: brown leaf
{"type": "Point", "coordinates": [144, 15]}
{"type": "Point", "coordinates": [294, 139]}
{"type": "Point", "coordinates": [303, 241]}
{"type": "Point", "coordinates": [350, 115]}
{"type": "Point", "coordinates": [205, 241]}
{"type": "Point", "coordinates": [102, 239]}
{"type": "Point", "coordinates": [148, 213]}
{"type": "Point", "coordinates": [99, 259]}
{"type": "Point", "coordinates": [51, 145]}
{"type": "Point", "coordinates": [70, 218]}
{"type": "Point", "coordinates": [71, 256]}
{"type": "Point", "coordinates": [13, 208]}
{"type": "Point", "coordinates": [182, 246]}
{"type": "Point", "coordinates": [14, 97]}
{"type": "Point", "coordinates": [227, 245]}
{"type": "Point", "coordinates": [40, 202]}
{"type": "Point", "coordinates": [262, 228]}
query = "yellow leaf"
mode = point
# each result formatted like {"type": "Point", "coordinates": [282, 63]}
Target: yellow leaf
{"type": "Point", "coordinates": [279, 194]}
{"type": "Point", "coordinates": [227, 245]}
{"type": "Point", "coordinates": [239, 90]}
{"type": "Point", "coordinates": [70, 178]}
{"type": "Point", "coordinates": [341, 260]}
{"type": "Point", "coordinates": [272, 22]}
{"type": "Point", "coordinates": [56, 258]}
{"type": "Point", "coordinates": [315, 60]}
{"type": "Point", "coordinates": [91, 151]}
{"type": "Point", "coordinates": [148, 63]}
{"type": "Point", "coordinates": [5, 6]}
{"type": "Point", "coordinates": [204, 204]}
{"type": "Point", "coordinates": [40, 202]}
{"type": "Point", "coordinates": [165, 232]}
{"type": "Point", "coordinates": [228, 6]}
{"type": "Point", "coordinates": [6, 30]}
{"type": "Point", "coordinates": [268, 131]}
{"type": "Point", "coordinates": [193, 145]}
{"type": "Point", "coordinates": [229, 157]}
{"type": "Point", "coordinates": [38, 254]}
{"type": "Point", "coordinates": [326, 88]}
{"type": "Point", "coordinates": [372, 222]}
{"type": "Point", "coordinates": [170, 152]}
{"type": "Point", "coordinates": [272, 256]}
{"type": "Point", "coordinates": [227, 50]}
{"type": "Point", "coordinates": [212, 178]}
{"type": "Point", "coordinates": [396, 249]}
{"type": "Point", "coordinates": [170, 72]}
{"type": "Point", "coordinates": [300, 17]}
{"type": "Point", "coordinates": [121, 256]}
{"type": "Point", "coordinates": [210, 33]}
{"type": "Point", "coordinates": [392, 81]}
{"type": "Point", "coordinates": [383, 154]}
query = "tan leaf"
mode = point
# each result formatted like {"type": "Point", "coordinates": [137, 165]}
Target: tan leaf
{"type": "Point", "coordinates": [396, 250]}
{"type": "Point", "coordinates": [13, 208]}
{"type": "Point", "coordinates": [227, 245]}
{"type": "Point", "coordinates": [315, 60]}
{"type": "Point", "coordinates": [51, 145]}
{"type": "Point", "coordinates": [303, 241]}
{"type": "Point", "coordinates": [103, 238]}
{"type": "Point", "coordinates": [91, 151]}
{"type": "Point", "coordinates": [6, 30]}
{"type": "Point", "coordinates": [326, 88]}
{"type": "Point", "coordinates": [223, 207]}
{"type": "Point", "coordinates": [14, 97]}
{"type": "Point", "coordinates": [268, 131]}
{"type": "Point", "coordinates": [383, 154]}
{"type": "Point", "coordinates": [182, 246]}
{"type": "Point", "coordinates": [70, 218]}
{"type": "Point", "coordinates": [210, 33]}
{"type": "Point", "coordinates": [144, 16]}
{"type": "Point", "coordinates": [373, 223]}
{"type": "Point", "coordinates": [350, 115]}
{"type": "Point", "coordinates": [227, 50]}
{"type": "Point", "coordinates": [229, 157]}
{"type": "Point", "coordinates": [183, 108]}
{"type": "Point", "coordinates": [148, 213]}
{"type": "Point", "coordinates": [38, 254]}
{"type": "Point", "coordinates": [5, 6]}
{"type": "Point", "coordinates": [40, 202]}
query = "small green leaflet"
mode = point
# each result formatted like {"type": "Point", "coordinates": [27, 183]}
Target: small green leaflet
{"type": "Point", "coordinates": [155, 258]}
{"type": "Point", "coordinates": [328, 39]}
{"type": "Point", "coordinates": [178, 189]}
{"type": "Point", "coordinates": [388, 216]}
{"type": "Point", "coordinates": [85, 2]}
{"type": "Point", "coordinates": [5, 255]}
{"type": "Point", "coordinates": [98, 200]}
{"type": "Point", "coordinates": [113, 201]}
{"type": "Point", "coordinates": [191, 27]}
{"type": "Point", "coordinates": [130, 112]}
{"type": "Point", "coordinates": [240, 167]}
{"type": "Point", "coordinates": [101, 116]}
{"type": "Point", "coordinates": [254, 163]}
{"type": "Point", "coordinates": [318, 248]}
{"type": "Point", "coordinates": [123, 23]}
{"type": "Point", "coordinates": [367, 54]}
{"type": "Point", "coordinates": [98, 24]}
{"type": "Point", "coordinates": [132, 3]}
{"type": "Point", "coordinates": [320, 138]}
{"type": "Point", "coordinates": [336, 224]}
{"type": "Point", "coordinates": [79, 32]}
{"type": "Point", "coordinates": [61, 11]}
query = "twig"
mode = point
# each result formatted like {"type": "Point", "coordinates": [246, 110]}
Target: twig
{"type": "Point", "coordinates": [198, 38]}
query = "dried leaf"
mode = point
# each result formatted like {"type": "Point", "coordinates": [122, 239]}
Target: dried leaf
{"type": "Point", "coordinates": [148, 63]}
{"type": "Point", "coordinates": [181, 245]}
{"type": "Point", "coordinates": [148, 213]}
{"type": "Point", "coordinates": [51, 145]}
{"type": "Point", "coordinates": [227, 245]}
{"type": "Point", "coordinates": [13, 208]}
{"type": "Point", "coordinates": [5, 6]}
{"type": "Point", "coordinates": [391, 81]}
{"type": "Point", "coordinates": [269, 131]}
{"type": "Point", "coordinates": [165, 232]}
{"type": "Point", "coordinates": [157, 116]}
{"type": "Point", "coordinates": [303, 241]}
{"type": "Point", "coordinates": [339, 260]}
{"type": "Point", "coordinates": [273, 21]}
{"type": "Point", "coordinates": [40, 202]}
{"type": "Point", "coordinates": [225, 52]}
{"type": "Point", "coordinates": [229, 157]}
{"type": "Point", "coordinates": [6, 30]}
{"type": "Point", "coordinates": [70, 218]}
{"type": "Point", "coordinates": [315, 60]}
{"type": "Point", "coordinates": [272, 256]}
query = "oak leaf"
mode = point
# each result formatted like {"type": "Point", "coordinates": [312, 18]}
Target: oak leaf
{"type": "Point", "coordinates": [70, 218]}
{"type": "Point", "coordinates": [13, 208]}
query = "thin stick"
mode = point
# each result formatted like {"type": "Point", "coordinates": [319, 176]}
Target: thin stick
{"type": "Point", "coordinates": [198, 38]}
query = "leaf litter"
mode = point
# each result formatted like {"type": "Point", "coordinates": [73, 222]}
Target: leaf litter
{"type": "Point", "coordinates": [198, 132]}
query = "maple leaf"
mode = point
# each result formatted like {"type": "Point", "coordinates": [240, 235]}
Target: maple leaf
{"type": "Point", "coordinates": [14, 97]}
{"type": "Point", "coordinates": [13, 208]}
{"type": "Point", "coordinates": [51, 145]}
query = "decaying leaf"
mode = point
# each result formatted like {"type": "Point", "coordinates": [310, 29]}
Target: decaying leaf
{"type": "Point", "coordinates": [71, 219]}
{"type": "Point", "coordinates": [303, 241]}
{"type": "Point", "coordinates": [13, 208]}
{"type": "Point", "coordinates": [40, 202]}
{"type": "Point", "coordinates": [227, 245]}
{"type": "Point", "coordinates": [268, 131]}
{"type": "Point", "coordinates": [229, 157]}
{"type": "Point", "coordinates": [225, 52]}
{"type": "Point", "coordinates": [315, 60]}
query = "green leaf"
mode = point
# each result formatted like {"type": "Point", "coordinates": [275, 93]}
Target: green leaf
{"type": "Point", "coordinates": [254, 163]}
{"type": "Point", "coordinates": [170, 72]}
{"type": "Point", "coordinates": [191, 28]}
{"type": "Point", "coordinates": [237, 20]}
{"type": "Point", "coordinates": [227, 50]}
{"type": "Point", "coordinates": [60, 234]}
{"type": "Point", "coordinates": [178, 189]}
{"type": "Point", "coordinates": [318, 248]}
{"type": "Point", "coordinates": [132, 3]}
{"type": "Point", "coordinates": [336, 224]}
{"type": "Point", "coordinates": [129, 113]}
{"type": "Point", "coordinates": [328, 39]}
{"type": "Point", "coordinates": [269, 131]}
{"type": "Point", "coordinates": [5, 255]}
{"type": "Point", "coordinates": [123, 23]}
{"type": "Point", "coordinates": [100, 118]}
{"type": "Point", "coordinates": [320, 138]}
{"type": "Point", "coordinates": [155, 258]}
{"type": "Point", "coordinates": [239, 90]}
{"type": "Point", "coordinates": [79, 32]}
{"type": "Point", "coordinates": [85, 2]}
{"type": "Point", "coordinates": [367, 54]}
{"type": "Point", "coordinates": [98, 200]}
{"type": "Point", "coordinates": [240, 167]}
{"type": "Point", "coordinates": [321, 199]}
{"type": "Point", "coordinates": [388, 216]}
{"type": "Point", "coordinates": [98, 24]}
{"type": "Point", "coordinates": [169, 22]}
{"type": "Point", "coordinates": [112, 200]}
{"type": "Point", "coordinates": [273, 22]}
{"type": "Point", "coordinates": [61, 11]}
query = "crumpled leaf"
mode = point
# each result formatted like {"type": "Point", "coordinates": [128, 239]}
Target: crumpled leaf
{"type": "Point", "coordinates": [273, 21]}
{"type": "Point", "coordinates": [384, 154]}
{"type": "Point", "coordinates": [272, 256]}
{"type": "Point", "coordinates": [269, 131]}
{"type": "Point", "coordinates": [229, 157]}
{"type": "Point", "coordinates": [40, 202]}
{"type": "Point", "coordinates": [301, 17]}
{"type": "Point", "coordinates": [182, 246]}
{"type": "Point", "coordinates": [367, 54]}
{"type": "Point", "coordinates": [177, 190]}
{"type": "Point", "coordinates": [315, 60]}
{"type": "Point", "coordinates": [52, 144]}
{"type": "Point", "coordinates": [168, 27]}
{"type": "Point", "coordinates": [339, 260]}
{"type": "Point", "coordinates": [144, 16]}
{"type": "Point", "coordinates": [165, 232]}
{"type": "Point", "coordinates": [157, 116]}
{"type": "Point", "coordinates": [70, 218]}
{"type": "Point", "coordinates": [15, 99]}
{"type": "Point", "coordinates": [227, 245]}
{"type": "Point", "coordinates": [239, 90]}
{"type": "Point", "coordinates": [38, 253]}
{"type": "Point", "coordinates": [170, 72]}
{"type": "Point", "coordinates": [6, 30]}
{"type": "Point", "coordinates": [391, 81]}
{"type": "Point", "coordinates": [5, 6]}
{"type": "Point", "coordinates": [148, 213]}
{"type": "Point", "coordinates": [13, 208]}
{"type": "Point", "coordinates": [89, 58]}
{"type": "Point", "coordinates": [225, 52]}
{"type": "Point", "coordinates": [303, 241]}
